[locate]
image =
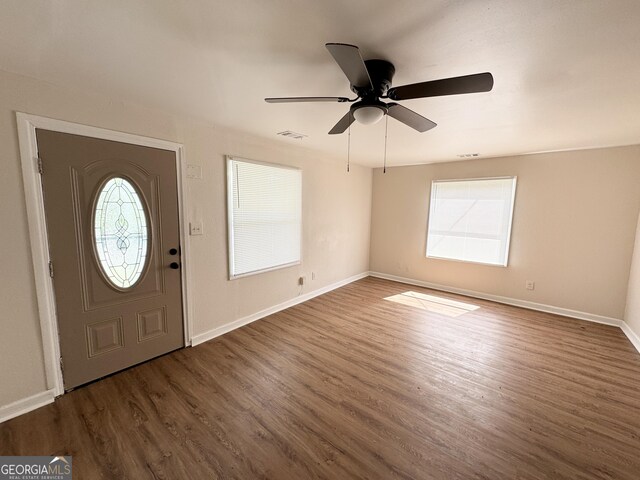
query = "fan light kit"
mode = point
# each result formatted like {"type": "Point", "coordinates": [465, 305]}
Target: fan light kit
{"type": "Point", "coordinates": [369, 114]}
{"type": "Point", "coordinates": [371, 80]}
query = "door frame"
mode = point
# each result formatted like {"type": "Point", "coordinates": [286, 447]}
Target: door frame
{"type": "Point", "coordinates": [39, 240]}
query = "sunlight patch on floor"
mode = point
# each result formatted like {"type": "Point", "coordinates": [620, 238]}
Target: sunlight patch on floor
{"type": "Point", "coordinates": [433, 303]}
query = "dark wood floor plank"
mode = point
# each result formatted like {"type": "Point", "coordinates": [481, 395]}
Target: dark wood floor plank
{"type": "Point", "coordinates": [353, 384]}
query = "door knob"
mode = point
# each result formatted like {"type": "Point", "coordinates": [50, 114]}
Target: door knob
{"type": "Point", "coordinates": [174, 265]}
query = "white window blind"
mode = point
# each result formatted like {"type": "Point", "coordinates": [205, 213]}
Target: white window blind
{"type": "Point", "coordinates": [470, 220]}
{"type": "Point", "coordinates": [265, 216]}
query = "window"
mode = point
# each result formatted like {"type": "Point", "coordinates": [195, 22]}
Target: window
{"type": "Point", "coordinates": [264, 203]}
{"type": "Point", "coordinates": [470, 220]}
{"type": "Point", "coordinates": [120, 232]}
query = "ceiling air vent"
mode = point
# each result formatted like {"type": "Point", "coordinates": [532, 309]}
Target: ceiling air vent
{"type": "Point", "coordinates": [468, 155]}
{"type": "Point", "coordinates": [294, 135]}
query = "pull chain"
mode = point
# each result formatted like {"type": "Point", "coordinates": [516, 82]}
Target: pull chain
{"type": "Point", "coordinates": [349, 147]}
{"type": "Point", "coordinates": [386, 128]}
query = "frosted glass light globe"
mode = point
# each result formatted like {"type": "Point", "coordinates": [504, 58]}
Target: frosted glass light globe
{"type": "Point", "coordinates": [368, 115]}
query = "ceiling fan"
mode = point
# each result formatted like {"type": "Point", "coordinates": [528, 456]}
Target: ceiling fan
{"type": "Point", "coordinates": [371, 80]}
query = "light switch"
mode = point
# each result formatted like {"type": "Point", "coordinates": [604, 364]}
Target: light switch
{"type": "Point", "coordinates": [194, 171]}
{"type": "Point", "coordinates": [195, 228]}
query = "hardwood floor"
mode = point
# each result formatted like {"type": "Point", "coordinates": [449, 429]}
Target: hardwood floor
{"type": "Point", "coordinates": [368, 381]}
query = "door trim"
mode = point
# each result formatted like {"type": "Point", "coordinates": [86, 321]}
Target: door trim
{"type": "Point", "coordinates": [39, 241]}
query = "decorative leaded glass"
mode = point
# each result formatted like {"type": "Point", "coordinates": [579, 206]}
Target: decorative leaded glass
{"type": "Point", "coordinates": [120, 232]}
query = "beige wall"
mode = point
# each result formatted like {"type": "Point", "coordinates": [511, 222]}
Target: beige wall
{"type": "Point", "coordinates": [573, 228]}
{"type": "Point", "coordinates": [632, 313]}
{"type": "Point", "coordinates": [336, 219]}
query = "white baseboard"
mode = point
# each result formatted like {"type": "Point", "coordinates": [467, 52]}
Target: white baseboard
{"type": "Point", "coordinates": [631, 335]}
{"type": "Point", "coordinates": [216, 332]}
{"type": "Point", "coordinates": [565, 312]}
{"type": "Point", "coordinates": [25, 405]}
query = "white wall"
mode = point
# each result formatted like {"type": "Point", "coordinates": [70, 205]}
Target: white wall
{"type": "Point", "coordinates": [336, 219]}
{"type": "Point", "coordinates": [632, 313]}
{"type": "Point", "coordinates": [573, 228]}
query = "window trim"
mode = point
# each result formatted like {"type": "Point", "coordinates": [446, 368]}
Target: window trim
{"type": "Point", "coordinates": [509, 228]}
{"type": "Point", "coordinates": [229, 199]}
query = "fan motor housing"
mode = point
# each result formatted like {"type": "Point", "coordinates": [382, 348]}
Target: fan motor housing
{"type": "Point", "coordinates": [381, 73]}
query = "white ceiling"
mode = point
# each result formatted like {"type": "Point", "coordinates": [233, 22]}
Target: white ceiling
{"type": "Point", "coordinates": [567, 72]}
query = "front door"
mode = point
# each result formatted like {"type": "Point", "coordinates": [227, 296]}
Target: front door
{"type": "Point", "coordinates": [112, 222]}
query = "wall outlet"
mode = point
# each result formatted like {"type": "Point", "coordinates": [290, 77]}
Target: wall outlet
{"type": "Point", "coordinates": [195, 228]}
{"type": "Point", "coordinates": [530, 285]}
{"type": "Point", "coordinates": [302, 280]}
{"type": "Point", "coordinates": [313, 275]}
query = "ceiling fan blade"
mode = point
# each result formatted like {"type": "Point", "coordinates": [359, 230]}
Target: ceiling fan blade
{"type": "Point", "coordinates": [409, 117]}
{"type": "Point", "coordinates": [342, 124]}
{"type": "Point", "coordinates": [306, 99]}
{"type": "Point", "coordinates": [350, 61]}
{"type": "Point", "coordinates": [478, 82]}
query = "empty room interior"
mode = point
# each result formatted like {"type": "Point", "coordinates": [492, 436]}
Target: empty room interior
{"type": "Point", "coordinates": [320, 239]}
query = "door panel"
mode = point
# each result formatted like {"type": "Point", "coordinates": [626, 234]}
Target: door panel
{"type": "Point", "coordinates": [106, 324]}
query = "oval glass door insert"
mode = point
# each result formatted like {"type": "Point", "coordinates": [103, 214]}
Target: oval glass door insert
{"type": "Point", "coordinates": [120, 232]}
